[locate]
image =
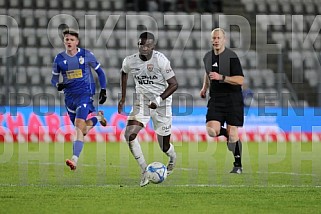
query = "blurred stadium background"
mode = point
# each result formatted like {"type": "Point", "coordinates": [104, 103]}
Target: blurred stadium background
{"type": "Point", "coordinates": [28, 69]}
{"type": "Point", "coordinates": [34, 177]}
{"type": "Point", "coordinates": [284, 71]}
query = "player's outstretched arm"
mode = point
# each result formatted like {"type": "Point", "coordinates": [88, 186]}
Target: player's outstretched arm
{"type": "Point", "coordinates": [123, 86]}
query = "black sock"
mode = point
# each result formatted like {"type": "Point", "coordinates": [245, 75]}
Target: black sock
{"type": "Point", "coordinates": [223, 132]}
{"type": "Point", "coordinates": [236, 149]}
{"type": "Point", "coordinates": [237, 153]}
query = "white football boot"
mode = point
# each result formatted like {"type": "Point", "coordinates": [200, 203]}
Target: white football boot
{"type": "Point", "coordinates": [171, 166]}
{"type": "Point", "coordinates": [144, 180]}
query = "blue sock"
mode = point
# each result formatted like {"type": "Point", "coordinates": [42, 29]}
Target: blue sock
{"type": "Point", "coordinates": [77, 147]}
{"type": "Point", "coordinates": [94, 120]}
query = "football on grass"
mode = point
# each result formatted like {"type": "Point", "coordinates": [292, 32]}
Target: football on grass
{"type": "Point", "coordinates": [156, 172]}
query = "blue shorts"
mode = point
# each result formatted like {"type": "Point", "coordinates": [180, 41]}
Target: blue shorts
{"type": "Point", "coordinates": [79, 106]}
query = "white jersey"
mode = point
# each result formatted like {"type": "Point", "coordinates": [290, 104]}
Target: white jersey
{"type": "Point", "coordinates": [150, 76]}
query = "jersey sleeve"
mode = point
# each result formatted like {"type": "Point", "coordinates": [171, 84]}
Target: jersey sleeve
{"type": "Point", "coordinates": [236, 68]}
{"type": "Point", "coordinates": [166, 68]}
{"type": "Point", "coordinates": [55, 72]}
{"type": "Point", "coordinates": [207, 62]}
{"type": "Point", "coordinates": [125, 66]}
{"type": "Point", "coordinates": [96, 66]}
{"type": "Point", "coordinates": [92, 60]}
{"type": "Point", "coordinates": [55, 67]}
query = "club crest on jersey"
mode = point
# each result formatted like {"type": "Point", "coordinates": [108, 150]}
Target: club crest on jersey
{"type": "Point", "coordinates": [150, 67]}
{"type": "Point", "coordinates": [81, 60]}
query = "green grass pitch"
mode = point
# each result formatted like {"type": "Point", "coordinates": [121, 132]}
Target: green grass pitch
{"type": "Point", "coordinates": [277, 178]}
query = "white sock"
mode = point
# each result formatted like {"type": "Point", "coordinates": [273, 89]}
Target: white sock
{"type": "Point", "coordinates": [74, 158]}
{"type": "Point", "coordinates": [171, 153]}
{"type": "Point", "coordinates": [98, 118]}
{"type": "Point", "coordinates": [137, 152]}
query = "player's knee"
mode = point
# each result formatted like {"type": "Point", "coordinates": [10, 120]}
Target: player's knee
{"type": "Point", "coordinates": [212, 132]}
{"type": "Point", "coordinates": [131, 132]}
{"type": "Point", "coordinates": [80, 125]}
{"type": "Point", "coordinates": [129, 135]}
{"type": "Point", "coordinates": [132, 137]}
{"type": "Point", "coordinates": [83, 131]}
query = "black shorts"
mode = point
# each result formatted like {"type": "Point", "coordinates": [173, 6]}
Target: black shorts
{"type": "Point", "coordinates": [227, 108]}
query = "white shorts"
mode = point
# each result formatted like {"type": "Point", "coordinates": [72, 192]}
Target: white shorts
{"type": "Point", "coordinates": [161, 117]}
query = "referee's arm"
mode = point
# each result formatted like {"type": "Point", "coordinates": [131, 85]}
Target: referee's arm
{"type": "Point", "coordinates": [233, 80]}
{"type": "Point", "coordinates": [206, 84]}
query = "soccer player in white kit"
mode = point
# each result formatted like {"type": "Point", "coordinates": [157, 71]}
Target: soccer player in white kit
{"type": "Point", "coordinates": [155, 82]}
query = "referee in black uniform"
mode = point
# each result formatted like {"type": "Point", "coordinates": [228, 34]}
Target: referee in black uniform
{"type": "Point", "coordinates": [224, 76]}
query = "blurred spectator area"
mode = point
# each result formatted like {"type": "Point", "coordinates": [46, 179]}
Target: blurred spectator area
{"type": "Point", "coordinates": [110, 29]}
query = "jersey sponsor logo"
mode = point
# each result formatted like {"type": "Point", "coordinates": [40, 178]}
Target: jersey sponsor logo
{"type": "Point", "coordinates": [65, 62]}
{"type": "Point", "coordinates": [74, 74]}
{"type": "Point", "coordinates": [150, 67]}
{"type": "Point", "coordinates": [142, 80]}
{"type": "Point", "coordinates": [215, 64]}
{"type": "Point", "coordinates": [166, 128]}
{"type": "Point", "coordinates": [81, 60]}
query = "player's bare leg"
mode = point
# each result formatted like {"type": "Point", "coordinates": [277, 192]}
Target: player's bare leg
{"type": "Point", "coordinates": [168, 149]}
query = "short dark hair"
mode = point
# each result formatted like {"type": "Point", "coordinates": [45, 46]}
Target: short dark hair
{"type": "Point", "coordinates": [70, 31]}
{"type": "Point", "coordinates": [147, 35]}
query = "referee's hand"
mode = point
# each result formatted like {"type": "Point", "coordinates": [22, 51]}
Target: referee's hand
{"type": "Point", "coordinates": [203, 93]}
{"type": "Point", "coordinates": [215, 76]}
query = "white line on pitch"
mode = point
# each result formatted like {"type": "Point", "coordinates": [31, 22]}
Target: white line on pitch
{"type": "Point", "coordinates": [164, 185]}
{"type": "Point", "coordinates": [182, 169]}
